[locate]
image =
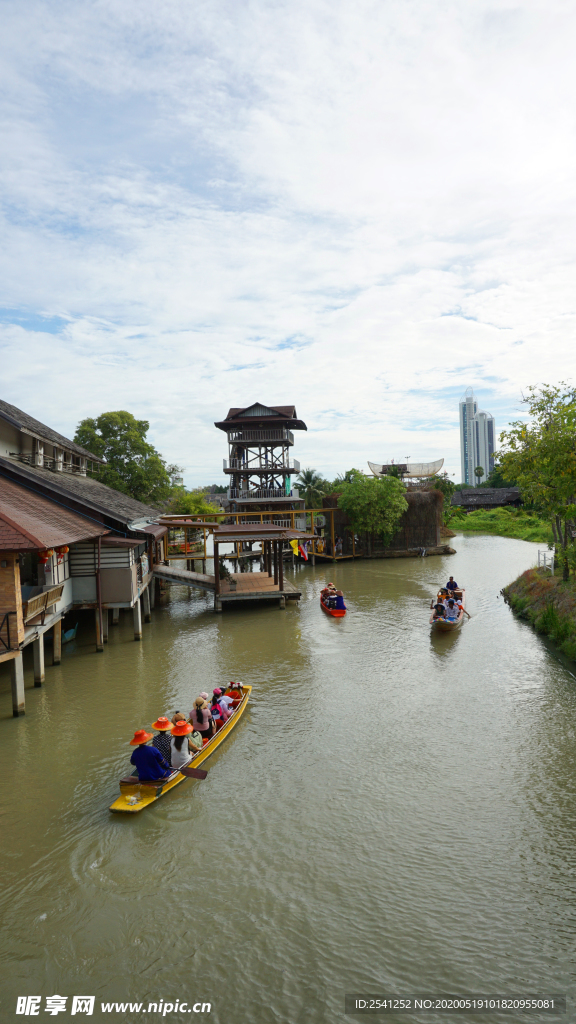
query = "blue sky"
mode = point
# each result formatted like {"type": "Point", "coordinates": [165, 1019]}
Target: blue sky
{"type": "Point", "coordinates": [359, 208]}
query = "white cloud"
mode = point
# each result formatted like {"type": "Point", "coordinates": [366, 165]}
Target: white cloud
{"type": "Point", "coordinates": [365, 206]}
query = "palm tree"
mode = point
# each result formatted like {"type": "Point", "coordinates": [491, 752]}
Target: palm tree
{"type": "Point", "coordinates": [479, 473]}
{"type": "Point", "coordinates": [312, 487]}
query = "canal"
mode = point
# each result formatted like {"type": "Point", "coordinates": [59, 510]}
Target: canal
{"type": "Point", "coordinates": [395, 813]}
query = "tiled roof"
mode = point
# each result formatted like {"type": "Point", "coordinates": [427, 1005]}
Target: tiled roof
{"type": "Point", "coordinates": [29, 521]}
{"type": "Point", "coordinates": [93, 494]}
{"type": "Point", "coordinates": [21, 419]}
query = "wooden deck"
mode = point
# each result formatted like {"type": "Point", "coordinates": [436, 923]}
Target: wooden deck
{"type": "Point", "coordinates": [256, 586]}
{"type": "Point", "coordinates": [250, 586]}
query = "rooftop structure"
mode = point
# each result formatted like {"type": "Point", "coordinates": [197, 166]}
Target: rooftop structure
{"type": "Point", "coordinates": [415, 470]}
{"type": "Point", "coordinates": [259, 466]}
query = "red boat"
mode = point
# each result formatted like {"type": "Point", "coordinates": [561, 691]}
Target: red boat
{"type": "Point", "coordinates": [336, 613]}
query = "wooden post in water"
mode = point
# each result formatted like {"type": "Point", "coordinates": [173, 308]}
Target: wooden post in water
{"type": "Point", "coordinates": [57, 643]}
{"type": "Point", "coordinates": [281, 565]}
{"type": "Point", "coordinates": [146, 604]}
{"type": "Point", "coordinates": [115, 616]}
{"type": "Point", "coordinates": [105, 620]}
{"type": "Point", "coordinates": [98, 624]}
{"type": "Point", "coordinates": [17, 680]}
{"type": "Point", "coordinates": [217, 601]}
{"type": "Point", "coordinates": [38, 650]}
{"type": "Point", "coordinates": [137, 620]}
{"type": "Point", "coordinates": [276, 546]}
{"type": "Point", "coordinates": [152, 592]}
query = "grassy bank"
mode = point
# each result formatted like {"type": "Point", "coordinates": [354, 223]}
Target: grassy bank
{"type": "Point", "coordinates": [505, 522]}
{"type": "Point", "coordinates": [549, 604]}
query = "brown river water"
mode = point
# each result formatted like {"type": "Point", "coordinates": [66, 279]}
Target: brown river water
{"type": "Point", "coordinates": [394, 815]}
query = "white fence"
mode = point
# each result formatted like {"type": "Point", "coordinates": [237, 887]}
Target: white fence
{"type": "Point", "coordinates": [546, 560]}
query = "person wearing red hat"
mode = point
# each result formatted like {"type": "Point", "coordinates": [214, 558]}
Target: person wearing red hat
{"type": "Point", "coordinates": [162, 738]}
{"type": "Point", "coordinates": [184, 744]}
{"type": "Point", "coordinates": [148, 761]}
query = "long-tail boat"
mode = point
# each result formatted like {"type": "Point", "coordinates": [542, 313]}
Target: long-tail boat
{"type": "Point", "coordinates": [136, 795]}
{"type": "Point", "coordinates": [447, 625]}
{"type": "Point", "coordinates": [336, 613]}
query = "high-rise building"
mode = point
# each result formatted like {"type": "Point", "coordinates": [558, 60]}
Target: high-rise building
{"type": "Point", "coordinates": [477, 438]}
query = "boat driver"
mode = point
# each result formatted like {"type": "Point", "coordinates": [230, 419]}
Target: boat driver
{"type": "Point", "coordinates": [452, 585]}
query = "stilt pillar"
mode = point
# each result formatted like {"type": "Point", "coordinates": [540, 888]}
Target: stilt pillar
{"type": "Point", "coordinates": [137, 620]}
{"type": "Point", "coordinates": [146, 604]}
{"type": "Point", "coordinates": [17, 678]}
{"type": "Point", "coordinates": [152, 592]}
{"type": "Point", "coordinates": [99, 638]}
{"type": "Point", "coordinates": [281, 567]}
{"type": "Point", "coordinates": [282, 602]}
{"type": "Point", "coordinates": [276, 545]}
{"type": "Point", "coordinates": [105, 620]}
{"type": "Point", "coordinates": [115, 616]}
{"type": "Point", "coordinates": [57, 643]}
{"type": "Point", "coordinates": [38, 649]}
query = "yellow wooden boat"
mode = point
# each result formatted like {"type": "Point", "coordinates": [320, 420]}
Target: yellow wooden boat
{"type": "Point", "coordinates": [135, 796]}
{"type": "Point", "coordinates": [443, 625]}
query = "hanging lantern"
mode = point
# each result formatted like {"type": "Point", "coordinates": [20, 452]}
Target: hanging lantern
{"type": "Point", "coordinates": [45, 556]}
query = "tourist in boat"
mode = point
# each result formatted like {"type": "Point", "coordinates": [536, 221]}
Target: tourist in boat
{"type": "Point", "coordinates": [460, 606]}
{"type": "Point", "coordinates": [179, 746]}
{"type": "Point", "coordinates": [452, 610]}
{"type": "Point", "coordinates": [439, 611]}
{"type": "Point", "coordinates": [219, 710]}
{"type": "Point", "coordinates": [150, 765]}
{"type": "Point", "coordinates": [226, 701]}
{"type": "Point", "coordinates": [452, 585]}
{"type": "Point", "coordinates": [201, 718]}
{"type": "Point", "coordinates": [339, 601]}
{"type": "Point", "coordinates": [162, 738]}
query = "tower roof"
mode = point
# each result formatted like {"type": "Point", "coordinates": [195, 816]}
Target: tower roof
{"type": "Point", "coordinates": [278, 415]}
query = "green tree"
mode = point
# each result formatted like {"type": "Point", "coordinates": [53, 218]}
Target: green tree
{"type": "Point", "coordinates": [133, 465]}
{"type": "Point", "coordinates": [479, 473]}
{"type": "Point", "coordinates": [312, 487]}
{"type": "Point", "coordinates": [190, 503]}
{"type": "Point", "coordinates": [541, 457]}
{"type": "Point", "coordinates": [373, 504]}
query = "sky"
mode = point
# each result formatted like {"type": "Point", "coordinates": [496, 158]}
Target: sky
{"type": "Point", "coordinates": [362, 208]}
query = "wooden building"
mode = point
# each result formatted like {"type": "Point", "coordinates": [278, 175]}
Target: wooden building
{"type": "Point", "coordinates": [68, 536]}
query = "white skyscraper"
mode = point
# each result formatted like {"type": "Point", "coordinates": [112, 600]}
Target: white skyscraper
{"type": "Point", "coordinates": [477, 437]}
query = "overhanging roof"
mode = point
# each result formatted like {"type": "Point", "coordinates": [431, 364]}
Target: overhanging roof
{"type": "Point", "coordinates": [29, 425]}
{"type": "Point", "coordinates": [31, 522]}
{"type": "Point", "coordinates": [259, 415]}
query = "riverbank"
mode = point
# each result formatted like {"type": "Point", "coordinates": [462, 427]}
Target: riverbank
{"type": "Point", "coordinates": [549, 604]}
{"type": "Point", "coordinates": [505, 522]}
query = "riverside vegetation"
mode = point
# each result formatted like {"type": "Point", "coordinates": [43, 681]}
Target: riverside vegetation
{"type": "Point", "coordinates": [503, 522]}
{"type": "Point", "coordinates": [549, 604]}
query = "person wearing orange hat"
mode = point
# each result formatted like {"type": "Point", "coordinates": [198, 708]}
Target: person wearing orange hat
{"type": "Point", "coordinates": [180, 745]}
{"type": "Point", "coordinates": [162, 738]}
{"type": "Point", "coordinates": [148, 761]}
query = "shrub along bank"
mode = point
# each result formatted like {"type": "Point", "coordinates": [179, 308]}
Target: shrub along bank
{"type": "Point", "coordinates": [549, 604]}
{"type": "Point", "coordinates": [504, 522]}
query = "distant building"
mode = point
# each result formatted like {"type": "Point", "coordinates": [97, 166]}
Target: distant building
{"type": "Point", "coordinates": [477, 440]}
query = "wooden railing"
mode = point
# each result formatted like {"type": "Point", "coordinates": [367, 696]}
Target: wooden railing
{"type": "Point", "coordinates": [5, 628]}
{"type": "Point", "coordinates": [40, 603]}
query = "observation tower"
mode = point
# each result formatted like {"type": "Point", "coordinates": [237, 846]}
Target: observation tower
{"type": "Point", "coordinates": [259, 466]}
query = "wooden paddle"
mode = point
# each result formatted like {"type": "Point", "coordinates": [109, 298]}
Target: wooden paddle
{"type": "Point", "coordinates": [193, 773]}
